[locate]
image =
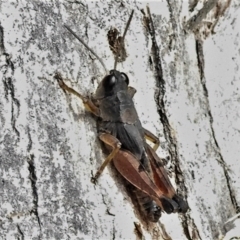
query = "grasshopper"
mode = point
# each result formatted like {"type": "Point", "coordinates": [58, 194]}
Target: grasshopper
{"type": "Point", "coordinates": [120, 129]}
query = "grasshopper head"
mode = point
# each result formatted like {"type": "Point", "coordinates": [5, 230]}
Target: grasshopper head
{"type": "Point", "coordinates": [111, 84]}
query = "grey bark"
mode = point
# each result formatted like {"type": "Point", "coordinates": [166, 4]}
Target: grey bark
{"type": "Point", "coordinates": [185, 67]}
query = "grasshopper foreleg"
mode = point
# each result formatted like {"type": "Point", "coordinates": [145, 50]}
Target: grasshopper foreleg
{"type": "Point", "coordinates": [89, 105]}
{"type": "Point", "coordinates": [112, 142]}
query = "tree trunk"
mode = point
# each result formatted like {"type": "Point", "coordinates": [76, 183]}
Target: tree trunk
{"type": "Point", "coordinates": [184, 63]}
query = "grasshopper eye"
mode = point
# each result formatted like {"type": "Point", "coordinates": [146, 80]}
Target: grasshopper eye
{"type": "Point", "coordinates": [125, 78]}
{"type": "Point", "coordinates": [109, 81]}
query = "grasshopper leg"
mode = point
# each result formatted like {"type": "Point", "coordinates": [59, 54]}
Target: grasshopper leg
{"type": "Point", "coordinates": [151, 137]}
{"type": "Point", "coordinates": [89, 105]}
{"type": "Point", "coordinates": [112, 142]}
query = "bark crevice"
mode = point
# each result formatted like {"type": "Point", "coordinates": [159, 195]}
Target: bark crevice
{"type": "Point", "coordinates": [8, 72]}
{"type": "Point", "coordinates": [2, 48]}
{"type": "Point", "coordinates": [20, 233]}
{"type": "Point", "coordinates": [200, 60]}
{"type": "Point", "coordinates": [15, 104]}
{"type": "Point", "coordinates": [113, 231]}
{"type": "Point", "coordinates": [186, 219]}
{"type": "Point", "coordinates": [33, 179]}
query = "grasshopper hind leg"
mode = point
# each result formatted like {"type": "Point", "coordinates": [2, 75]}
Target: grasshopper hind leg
{"type": "Point", "coordinates": [109, 140]}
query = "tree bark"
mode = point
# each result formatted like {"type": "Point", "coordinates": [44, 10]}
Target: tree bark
{"type": "Point", "coordinates": [184, 63]}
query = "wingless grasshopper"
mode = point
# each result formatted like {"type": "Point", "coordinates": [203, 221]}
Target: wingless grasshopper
{"type": "Point", "coordinates": [121, 131]}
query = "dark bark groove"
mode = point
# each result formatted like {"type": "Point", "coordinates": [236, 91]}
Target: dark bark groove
{"type": "Point", "coordinates": [33, 179]}
{"type": "Point", "coordinates": [186, 219]}
{"type": "Point", "coordinates": [200, 59]}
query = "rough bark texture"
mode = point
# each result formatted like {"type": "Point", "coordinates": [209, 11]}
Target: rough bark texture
{"type": "Point", "coordinates": [184, 63]}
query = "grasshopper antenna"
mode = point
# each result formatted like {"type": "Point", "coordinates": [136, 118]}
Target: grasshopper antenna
{"type": "Point", "coordinates": [124, 34]}
{"type": "Point", "coordinates": [86, 46]}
